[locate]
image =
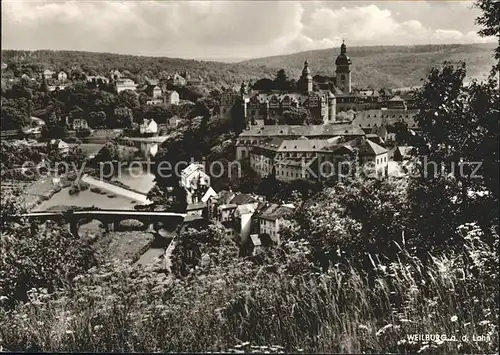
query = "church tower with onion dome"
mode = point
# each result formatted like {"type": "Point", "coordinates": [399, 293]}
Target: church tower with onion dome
{"type": "Point", "coordinates": [343, 70]}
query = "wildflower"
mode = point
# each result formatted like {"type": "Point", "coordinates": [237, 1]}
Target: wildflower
{"type": "Point", "coordinates": [454, 318]}
{"type": "Point", "coordinates": [383, 329]}
{"type": "Point", "coordinates": [423, 348]}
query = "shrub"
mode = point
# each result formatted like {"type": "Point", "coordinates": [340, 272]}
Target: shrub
{"type": "Point", "coordinates": [74, 189]}
{"type": "Point", "coordinates": [347, 309]}
{"type": "Point", "coordinates": [96, 190]}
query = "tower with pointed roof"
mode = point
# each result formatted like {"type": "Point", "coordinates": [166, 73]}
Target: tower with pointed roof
{"type": "Point", "coordinates": [343, 70]}
{"type": "Point", "coordinates": [306, 81]}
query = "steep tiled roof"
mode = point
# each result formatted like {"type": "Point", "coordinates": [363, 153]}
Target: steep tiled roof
{"type": "Point", "coordinates": [242, 199]}
{"type": "Point", "coordinates": [405, 151]}
{"type": "Point", "coordinates": [370, 148]}
{"type": "Point", "coordinates": [191, 169]}
{"type": "Point", "coordinates": [274, 212]}
{"type": "Point", "coordinates": [303, 145]}
{"type": "Point", "coordinates": [224, 196]}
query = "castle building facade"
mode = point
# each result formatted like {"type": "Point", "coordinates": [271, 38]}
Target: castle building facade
{"type": "Point", "coordinates": [261, 107]}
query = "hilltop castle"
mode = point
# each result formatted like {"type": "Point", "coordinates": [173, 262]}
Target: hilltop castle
{"type": "Point", "coordinates": [264, 106]}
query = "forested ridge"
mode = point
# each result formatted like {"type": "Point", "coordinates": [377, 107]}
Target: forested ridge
{"type": "Point", "coordinates": [375, 66]}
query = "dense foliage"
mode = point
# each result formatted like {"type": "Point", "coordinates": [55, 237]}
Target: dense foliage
{"type": "Point", "coordinates": [386, 66]}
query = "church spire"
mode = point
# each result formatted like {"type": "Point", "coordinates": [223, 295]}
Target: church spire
{"type": "Point", "coordinates": [306, 78]}
{"type": "Point", "coordinates": [306, 71]}
{"type": "Point", "coordinates": [243, 88]}
{"type": "Point", "coordinates": [343, 48]}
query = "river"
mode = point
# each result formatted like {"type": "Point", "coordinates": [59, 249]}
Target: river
{"type": "Point", "coordinates": [135, 177]}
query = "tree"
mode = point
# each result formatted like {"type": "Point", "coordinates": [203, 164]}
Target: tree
{"type": "Point", "coordinates": [110, 152]}
{"type": "Point", "coordinates": [129, 98]}
{"type": "Point", "coordinates": [53, 128]}
{"type": "Point", "coordinates": [97, 119]}
{"type": "Point", "coordinates": [36, 255]}
{"type": "Point", "coordinates": [460, 128]}
{"type": "Point", "coordinates": [123, 117]}
{"type": "Point", "coordinates": [281, 81]}
{"type": "Point", "coordinates": [265, 85]}
{"type": "Point", "coordinates": [490, 22]}
{"type": "Point", "coordinates": [297, 116]}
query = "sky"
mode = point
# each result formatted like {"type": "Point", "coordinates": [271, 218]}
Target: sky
{"type": "Point", "coordinates": [231, 30]}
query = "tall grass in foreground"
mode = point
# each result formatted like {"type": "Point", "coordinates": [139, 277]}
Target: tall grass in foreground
{"type": "Point", "coordinates": [247, 308]}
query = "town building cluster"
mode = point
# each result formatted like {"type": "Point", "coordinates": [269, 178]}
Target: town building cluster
{"type": "Point", "coordinates": [247, 218]}
{"type": "Point", "coordinates": [357, 124]}
{"type": "Point", "coordinates": [327, 102]}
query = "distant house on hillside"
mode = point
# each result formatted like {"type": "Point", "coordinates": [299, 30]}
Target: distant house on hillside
{"type": "Point", "coordinates": [48, 73]}
{"type": "Point", "coordinates": [174, 121]}
{"type": "Point", "coordinates": [56, 87]}
{"type": "Point", "coordinates": [79, 124]}
{"type": "Point", "coordinates": [172, 97]}
{"type": "Point", "coordinates": [153, 91]}
{"type": "Point", "coordinates": [152, 102]}
{"type": "Point", "coordinates": [60, 145]}
{"type": "Point", "coordinates": [125, 84]}
{"type": "Point", "coordinates": [97, 79]}
{"type": "Point", "coordinates": [178, 80]}
{"type": "Point", "coordinates": [148, 126]}
{"type": "Point", "coordinates": [62, 76]}
{"type": "Point", "coordinates": [4, 66]}
{"type": "Point", "coordinates": [115, 74]}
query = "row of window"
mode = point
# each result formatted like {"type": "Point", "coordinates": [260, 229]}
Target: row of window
{"type": "Point", "coordinates": [291, 174]}
{"type": "Point", "coordinates": [265, 222]}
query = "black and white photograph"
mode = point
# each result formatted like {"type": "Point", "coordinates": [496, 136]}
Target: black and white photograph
{"type": "Point", "coordinates": [236, 177]}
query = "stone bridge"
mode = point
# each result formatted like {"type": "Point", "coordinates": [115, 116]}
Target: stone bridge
{"type": "Point", "coordinates": [111, 218]}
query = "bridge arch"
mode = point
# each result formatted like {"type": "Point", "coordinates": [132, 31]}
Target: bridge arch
{"type": "Point", "coordinates": [88, 227]}
{"type": "Point", "coordinates": [132, 224]}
